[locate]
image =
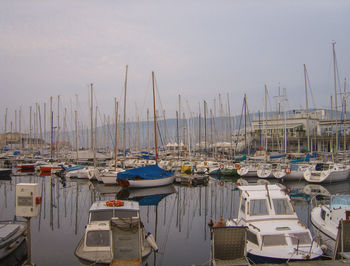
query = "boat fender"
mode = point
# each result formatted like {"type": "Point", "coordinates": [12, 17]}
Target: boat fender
{"type": "Point", "coordinates": [150, 239]}
{"type": "Point", "coordinates": [238, 166]}
{"type": "Point", "coordinates": [114, 203]}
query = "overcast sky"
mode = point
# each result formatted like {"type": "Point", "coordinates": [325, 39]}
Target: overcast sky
{"type": "Point", "coordinates": [197, 49]}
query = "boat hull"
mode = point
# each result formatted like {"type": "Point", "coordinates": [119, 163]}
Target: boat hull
{"type": "Point", "coordinates": [141, 183]}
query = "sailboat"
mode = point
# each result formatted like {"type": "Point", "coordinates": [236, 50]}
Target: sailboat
{"type": "Point", "coordinates": [150, 175]}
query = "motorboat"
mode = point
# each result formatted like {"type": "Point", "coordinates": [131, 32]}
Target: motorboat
{"type": "Point", "coordinates": [275, 234]}
{"type": "Point", "coordinates": [13, 245]}
{"type": "Point", "coordinates": [327, 173]}
{"type": "Point", "coordinates": [325, 219]}
{"type": "Point", "coordinates": [115, 234]}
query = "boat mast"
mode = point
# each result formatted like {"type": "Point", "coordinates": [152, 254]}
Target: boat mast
{"type": "Point", "coordinates": [124, 119]}
{"type": "Point", "coordinates": [266, 92]}
{"type": "Point", "coordinates": [91, 118]}
{"type": "Point", "coordinates": [155, 121]}
{"type": "Point", "coordinates": [335, 96]}
{"type": "Point", "coordinates": [307, 109]}
{"type": "Point", "coordinates": [115, 133]}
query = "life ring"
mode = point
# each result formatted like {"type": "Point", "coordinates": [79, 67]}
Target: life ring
{"type": "Point", "coordinates": [238, 166]}
{"type": "Point", "coordinates": [287, 170]}
{"type": "Point", "coordinates": [205, 163]}
{"type": "Point", "coordinates": [221, 183]}
{"type": "Point", "coordinates": [114, 203]}
{"type": "Point", "coordinates": [221, 166]}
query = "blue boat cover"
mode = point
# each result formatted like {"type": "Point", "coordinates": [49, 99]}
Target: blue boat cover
{"type": "Point", "coordinates": [145, 172]}
{"type": "Point", "coordinates": [278, 156]}
{"type": "Point", "coordinates": [304, 159]}
{"type": "Point", "coordinates": [239, 159]}
{"type": "Point", "coordinates": [73, 168]}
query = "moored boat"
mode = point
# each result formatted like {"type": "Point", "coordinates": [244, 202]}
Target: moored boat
{"type": "Point", "coordinates": [147, 176]}
{"type": "Point", "coordinates": [325, 220]}
{"type": "Point", "coordinates": [275, 234]}
{"type": "Point", "coordinates": [327, 173]}
{"type": "Point", "coordinates": [13, 246]}
{"type": "Point", "coordinates": [115, 234]}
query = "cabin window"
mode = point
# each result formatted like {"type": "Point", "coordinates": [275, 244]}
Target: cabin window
{"type": "Point", "coordinates": [258, 207]}
{"type": "Point", "coordinates": [302, 238]}
{"type": "Point", "coordinates": [97, 238]}
{"type": "Point", "coordinates": [104, 215]}
{"type": "Point", "coordinates": [282, 206]}
{"type": "Point", "coordinates": [323, 214]}
{"type": "Point", "coordinates": [274, 240]}
{"type": "Point", "coordinates": [252, 237]}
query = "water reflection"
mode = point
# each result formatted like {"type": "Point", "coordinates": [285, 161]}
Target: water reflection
{"type": "Point", "coordinates": [176, 215]}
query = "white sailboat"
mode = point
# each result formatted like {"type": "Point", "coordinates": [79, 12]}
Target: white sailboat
{"type": "Point", "coordinates": [327, 173]}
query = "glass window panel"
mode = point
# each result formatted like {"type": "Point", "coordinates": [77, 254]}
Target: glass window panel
{"type": "Point", "coordinates": [282, 206]}
{"type": "Point", "coordinates": [304, 238]}
{"type": "Point", "coordinates": [252, 237]}
{"type": "Point", "coordinates": [274, 240]}
{"type": "Point", "coordinates": [258, 207]}
{"type": "Point", "coordinates": [98, 238]}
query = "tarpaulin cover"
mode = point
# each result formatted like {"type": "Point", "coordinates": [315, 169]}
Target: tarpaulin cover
{"type": "Point", "coordinates": [145, 172]}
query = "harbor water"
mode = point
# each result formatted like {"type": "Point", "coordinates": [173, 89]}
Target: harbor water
{"type": "Point", "coordinates": [177, 216]}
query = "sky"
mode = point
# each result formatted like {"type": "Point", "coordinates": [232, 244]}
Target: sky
{"type": "Point", "coordinates": [197, 49]}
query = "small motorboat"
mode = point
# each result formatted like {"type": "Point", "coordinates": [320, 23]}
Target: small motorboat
{"type": "Point", "coordinates": [115, 233]}
{"type": "Point", "coordinates": [275, 234]}
{"type": "Point", "coordinates": [13, 245]}
{"type": "Point", "coordinates": [325, 220]}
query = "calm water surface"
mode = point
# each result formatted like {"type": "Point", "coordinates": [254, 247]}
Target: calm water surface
{"type": "Point", "coordinates": [176, 215]}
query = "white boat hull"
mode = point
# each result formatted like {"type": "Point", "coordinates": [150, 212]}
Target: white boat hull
{"type": "Point", "coordinates": [141, 183]}
{"type": "Point", "coordinates": [327, 176]}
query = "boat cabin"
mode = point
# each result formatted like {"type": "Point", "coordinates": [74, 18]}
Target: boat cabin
{"type": "Point", "coordinates": [272, 222]}
{"type": "Point", "coordinates": [98, 233]}
{"type": "Point", "coordinates": [265, 202]}
{"type": "Point", "coordinates": [338, 209]}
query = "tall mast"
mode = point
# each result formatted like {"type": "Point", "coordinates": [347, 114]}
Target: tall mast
{"type": "Point", "coordinates": [266, 121]}
{"type": "Point", "coordinates": [230, 124]}
{"type": "Point", "coordinates": [335, 96]}
{"type": "Point", "coordinates": [307, 110]}
{"type": "Point", "coordinates": [155, 120]}
{"type": "Point", "coordinates": [76, 134]}
{"type": "Point", "coordinates": [115, 133]}
{"type": "Point", "coordinates": [124, 121]}
{"type": "Point", "coordinates": [91, 118]}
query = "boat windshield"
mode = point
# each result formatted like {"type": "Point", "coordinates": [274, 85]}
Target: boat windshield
{"type": "Point", "coordinates": [300, 238]}
{"type": "Point", "coordinates": [340, 201]}
{"type": "Point", "coordinates": [97, 238]}
{"type": "Point", "coordinates": [274, 240]}
{"type": "Point", "coordinates": [106, 215]}
{"type": "Point", "coordinates": [258, 207]}
{"type": "Point", "coordinates": [282, 207]}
